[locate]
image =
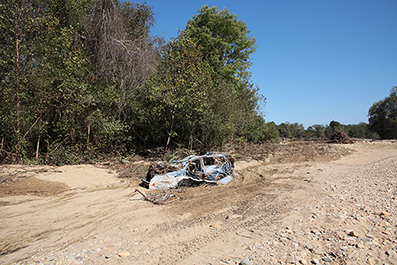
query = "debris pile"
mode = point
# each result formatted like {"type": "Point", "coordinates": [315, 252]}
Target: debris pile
{"type": "Point", "coordinates": [340, 137]}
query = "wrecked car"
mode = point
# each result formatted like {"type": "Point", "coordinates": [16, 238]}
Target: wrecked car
{"type": "Point", "coordinates": [211, 168]}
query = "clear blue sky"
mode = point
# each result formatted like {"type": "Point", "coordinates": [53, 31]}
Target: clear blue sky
{"type": "Point", "coordinates": [317, 60]}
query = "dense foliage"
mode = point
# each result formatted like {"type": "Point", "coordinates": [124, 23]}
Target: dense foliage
{"type": "Point", "coordinates": [225, 42]}
{"type": "Point", "coordinates": [80, 78]}
{"type": "Point", "coordinates": [383, 116]}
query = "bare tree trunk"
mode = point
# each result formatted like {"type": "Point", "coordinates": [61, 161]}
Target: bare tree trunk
{"type": "Point", "coordinates": [17, 129]}
{"type": "Point", "coordinates": [172, 125]}
{"type": "Point", "coordinates": [88, 134]}
{"type": "Point", "coordinates": [190, 146]}
{"type": "Point", "coordinates": [37, 147]}
{"type": "Point", "coordinates": [122, 100]}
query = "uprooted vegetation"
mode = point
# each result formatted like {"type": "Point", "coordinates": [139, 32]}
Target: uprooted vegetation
{"type": "Point", "coordinates": [340, 137]}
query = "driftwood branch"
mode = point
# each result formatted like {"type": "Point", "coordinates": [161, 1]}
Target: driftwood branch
{"type": "Point", "coordinates": [159, 199]}
{"type": "Point", "coordinates": [146, 197]}
{"type": "Point", "coordinates": [143, 194]}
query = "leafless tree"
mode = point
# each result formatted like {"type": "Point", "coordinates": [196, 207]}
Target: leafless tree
{"type": "Point", "coordinates": [123, 52]}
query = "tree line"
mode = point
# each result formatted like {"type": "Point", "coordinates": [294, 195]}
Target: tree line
{"type": "Point", "coordinates": [296, 130]}
{"type": "Point", "coordinates": [82, 78]}
{"type": "Point", "coordinates": [382, 123]}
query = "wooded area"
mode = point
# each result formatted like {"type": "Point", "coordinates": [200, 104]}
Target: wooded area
{"type": "Point", "coordinates": [81, 79]}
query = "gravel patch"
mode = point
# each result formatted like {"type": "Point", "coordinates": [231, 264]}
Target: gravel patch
{"type": "Point", "coordinates": [352, 222]}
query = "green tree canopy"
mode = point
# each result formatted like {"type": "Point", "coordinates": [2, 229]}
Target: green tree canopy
{"type": "Point", "coordinates": [383, 116]}
{"type": "Point", "coordinates": [177, 96]}
{"type": "Point", "coordinates": [225, 41]}
{"type": "Point", "coordinates": [291, 130]}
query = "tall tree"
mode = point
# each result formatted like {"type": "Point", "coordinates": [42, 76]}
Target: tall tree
{"type": "Point", "coordinates": [179, 94]}
{"type": "Point", "coordinates": [227, 47]}
{"type": "Point", "coordinates": [225, 41]}
{"type": "Point", "coordinates": [383, 116]}
{"type": "Point", "coordinates": [122, 51]}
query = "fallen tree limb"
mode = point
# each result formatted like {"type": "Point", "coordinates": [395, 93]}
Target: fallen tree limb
{"type": "Point", "coordinates": [158, 199]}
{"type": "Point", "coordinates": [146, 197]}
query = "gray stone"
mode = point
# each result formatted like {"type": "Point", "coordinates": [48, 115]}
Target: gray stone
{"type": "Point", "coordinates": [245, 261]}
{"type": "Point", "coordinates": [78, 257]}
{"type": "Point", "coordinates": [309, 247]}
{"type": "Point", "coordinates": [318, 251]}
{"type": "Point", "coordinates": [391, 253]}
{"type": "Point", "coordinates": [353, 233]}
{"type": "Point", "coordinates": [291, 260]}
{"type": "Point", "coordinates": [326, 259]}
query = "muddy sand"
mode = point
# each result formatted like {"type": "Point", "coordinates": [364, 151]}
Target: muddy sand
{"type": "Point", "coordinates": [335, 204]}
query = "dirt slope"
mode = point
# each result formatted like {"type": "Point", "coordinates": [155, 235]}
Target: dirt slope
{"type": "Point", "coordinates": [88, 216]}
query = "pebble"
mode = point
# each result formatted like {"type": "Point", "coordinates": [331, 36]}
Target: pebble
{"type": "Point", "coordinates": [326, 259]}
{"type": "Point", "coordinates": [123, 253]}
{"type": "Point", "coordinates": [353, 233]}
{"type": "Point", "coordinates": [384, 215]}
{"type": "Point", "coordinates": [309, 247]}
{"type": "Point", "coordinates": [291, 260]}
{"type": "Point", "coordinates": [318, 251]}
{"type": "Point", "coordinates": [315, 261]}
{"type": "Point", "coordinates": [359, 245]}
{"type": "Point", "coordinates": [391, 253]}
{"type": "Point", "coordinates": [245, 261]}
